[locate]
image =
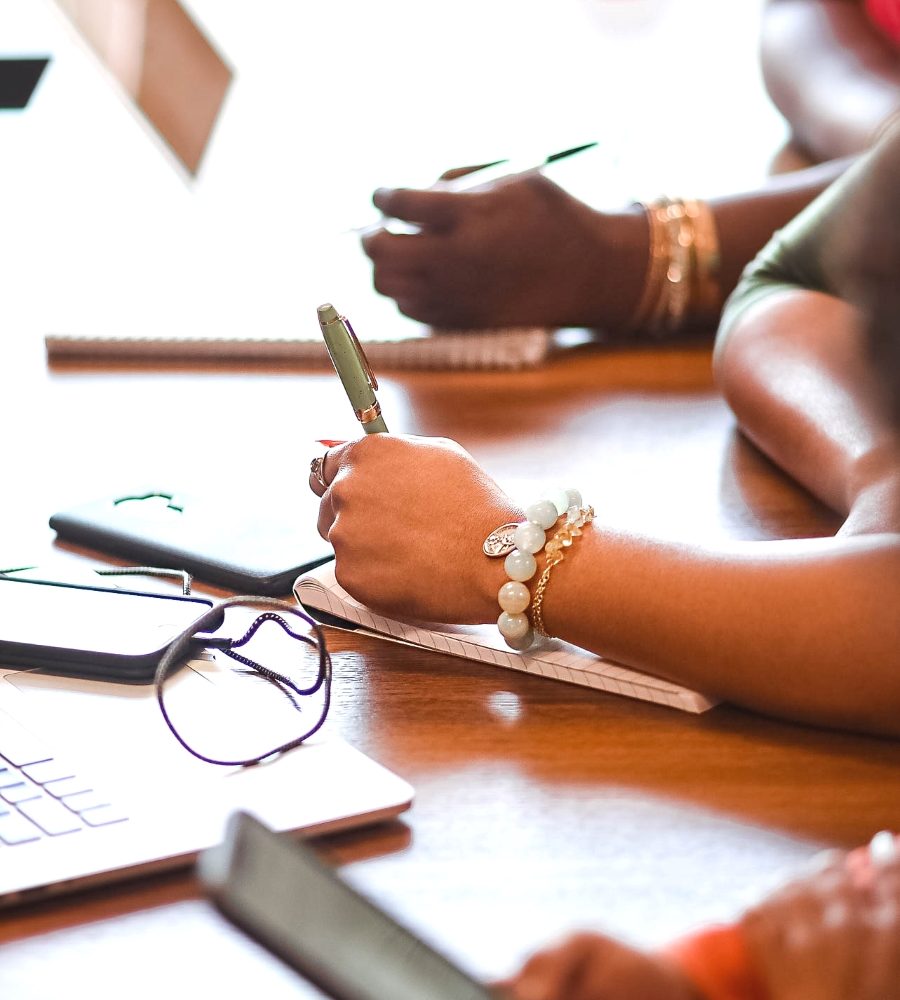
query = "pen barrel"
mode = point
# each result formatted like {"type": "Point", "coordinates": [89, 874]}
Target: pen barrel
{"type": "Point", "coordinates": [349, 370]}
{"type": "Point", "coordinates": [356, 378]}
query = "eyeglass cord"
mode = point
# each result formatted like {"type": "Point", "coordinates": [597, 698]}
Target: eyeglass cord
{"type": "Point", "coordinates": [189, 641]}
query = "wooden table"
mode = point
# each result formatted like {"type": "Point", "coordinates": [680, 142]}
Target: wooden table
{"type": "Point", "coordinates": [540, 807]}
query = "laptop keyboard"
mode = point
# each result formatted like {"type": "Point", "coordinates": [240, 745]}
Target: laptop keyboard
{"type": "Point", "coordinates": [40, 794]}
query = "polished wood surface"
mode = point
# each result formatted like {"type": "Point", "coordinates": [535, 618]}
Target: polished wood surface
{"type": "Point", "coordinates": [540, 807]}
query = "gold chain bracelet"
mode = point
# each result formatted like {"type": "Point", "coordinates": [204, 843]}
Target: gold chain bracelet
{"type": "Point", "coordinates": [555, 551]}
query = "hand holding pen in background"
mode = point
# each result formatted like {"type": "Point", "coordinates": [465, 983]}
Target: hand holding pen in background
{"type": "Point", "coordinates": [470, 179]}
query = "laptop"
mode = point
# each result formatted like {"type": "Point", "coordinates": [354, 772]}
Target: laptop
{"type": "Point", "coordinates": [94, 788]}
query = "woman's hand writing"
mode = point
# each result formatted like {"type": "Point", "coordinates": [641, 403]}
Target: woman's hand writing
{"type": "Point", "coordinates": [407, 518]}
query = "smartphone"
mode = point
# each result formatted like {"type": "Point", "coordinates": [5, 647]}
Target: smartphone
{"type": "Point", "coordinates": [249, 544]}
{"type": "Point", "coordinates": [280, 893]}
{"type": "Point", "coordinates": [95, 632]}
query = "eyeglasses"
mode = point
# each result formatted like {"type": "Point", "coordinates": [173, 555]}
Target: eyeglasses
{"type": "Point", "coordinates": [226, 706]}
{"type": "Point", "coordinates": [241, 715]}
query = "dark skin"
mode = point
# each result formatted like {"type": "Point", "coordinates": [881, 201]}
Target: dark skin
{"type": "Point", "coordinates": [523, 252]}
{"type": "Point", "coordinates": [844, 447]}
{"type": "Point", "coordinates": [829, 935]}
{"type": "Point", "coordinates": [830, 72]}
{"type": "Point", "coordinates": [797, 367]}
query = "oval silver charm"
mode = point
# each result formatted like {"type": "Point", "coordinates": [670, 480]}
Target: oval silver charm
{"type": "Point", "coordinates": [500, 541]}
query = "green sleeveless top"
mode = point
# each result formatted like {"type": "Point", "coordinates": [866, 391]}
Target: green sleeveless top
{"type": "Point", "coordinates": [845, 243]}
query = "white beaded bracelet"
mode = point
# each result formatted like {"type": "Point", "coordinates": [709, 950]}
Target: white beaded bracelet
{"type": "Point", "coordinates": [520, 542]}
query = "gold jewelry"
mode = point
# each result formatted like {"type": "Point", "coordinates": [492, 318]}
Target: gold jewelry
{"type": "Point", "coordinates": [678, 273]}
{"type": "Point", "coordinates": [522, 544]}
{"type": "Point", "coordinates": [706, 288]}
{"type": "Point", "coordinates": [682, 278]}
{"type": "Point", "coordinates": [555, 551]}
{"type": "Point", "coordinates": [369, 414]}
{"type": "Point", "coordinates": [657, 263]}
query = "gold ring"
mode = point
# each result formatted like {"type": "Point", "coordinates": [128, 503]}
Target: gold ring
{"type": "Point", "coordinates": [315, 470]}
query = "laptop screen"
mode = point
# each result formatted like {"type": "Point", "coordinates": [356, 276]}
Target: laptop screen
{"type": "Point", "coordinates": [164, 62]}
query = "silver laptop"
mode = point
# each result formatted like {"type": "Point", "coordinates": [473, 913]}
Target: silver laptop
{"type": "Point", "coordinates": [94, 787]}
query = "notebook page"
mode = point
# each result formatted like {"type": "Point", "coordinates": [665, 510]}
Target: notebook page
{"type": "Point", "coordinates": [550, 658]}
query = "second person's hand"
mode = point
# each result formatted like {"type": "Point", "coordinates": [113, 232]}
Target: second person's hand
{"type": "Point", "coordinates": [521, 252]}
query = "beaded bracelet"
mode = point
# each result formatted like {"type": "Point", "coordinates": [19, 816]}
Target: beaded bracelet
{"type": "Point", "coordinates": [520, 542]}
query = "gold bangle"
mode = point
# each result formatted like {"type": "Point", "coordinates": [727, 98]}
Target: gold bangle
{"type": "Point", "coordinates": [706, 288]}
{"type": "Point", "coordinates": [679, 272]}
{"type": "Point", "coordinates": [666, 294]}
{"type": "Point", "coordinates": [657, 262]}
{"type": "Point", "coordinates": [555, 551]}
{"type": "Point", "coordinates": [682, 280]}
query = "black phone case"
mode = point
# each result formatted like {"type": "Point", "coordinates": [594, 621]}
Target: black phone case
{"type": "Point", "coordinates": [252, 546]}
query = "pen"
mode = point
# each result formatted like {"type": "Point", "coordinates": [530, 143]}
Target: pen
{"type": "Point", "coordinates": [484, 174]}
{"type": "Point", "coordinates": [353, 368]}
{"type": "Point", "coordinates": [505, 168]}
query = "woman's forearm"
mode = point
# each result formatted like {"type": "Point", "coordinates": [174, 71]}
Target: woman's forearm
{"type": "Point", "coordinates": [795, 369]}
{"type": "Point", "coordinates": [805, 629]}
{"type": "Point", "coordinates": [527, 252]}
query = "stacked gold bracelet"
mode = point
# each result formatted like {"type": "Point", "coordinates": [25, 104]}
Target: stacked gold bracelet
{"type": "Point", "coordinates": [555, 552]}
{"type": "Point", "coordinates": [682, 277]}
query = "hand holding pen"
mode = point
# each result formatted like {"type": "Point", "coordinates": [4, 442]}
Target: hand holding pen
{"type": "Point", "coordinates": [468, 179]}
{"type": "Point", "coordinates": [521, 253]}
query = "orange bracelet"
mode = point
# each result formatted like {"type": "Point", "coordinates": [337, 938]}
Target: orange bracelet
{"type": "Point", "coordinates": [718, 964]}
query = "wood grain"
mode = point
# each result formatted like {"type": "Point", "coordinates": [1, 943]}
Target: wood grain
{"type": "Point", "coordinates": [540, 807]}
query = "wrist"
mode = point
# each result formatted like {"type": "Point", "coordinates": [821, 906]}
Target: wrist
{"type": "Point", "coordinates": [613, 286]}
{"type": "Point", "coordinates": [550, 526]}
{"type": "Point", "coordinates": [489, 574]}
{"type": "Point", "coordinates": [718, 964]}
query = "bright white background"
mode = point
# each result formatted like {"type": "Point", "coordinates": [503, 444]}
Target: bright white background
{"type": "Point", "coordinates": [104, 232]}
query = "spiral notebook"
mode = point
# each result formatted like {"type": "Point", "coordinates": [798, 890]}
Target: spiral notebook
{"type": "Point", "coordinates": [320, 594]}
{"type": "Point", "coordinates": [417, 349]}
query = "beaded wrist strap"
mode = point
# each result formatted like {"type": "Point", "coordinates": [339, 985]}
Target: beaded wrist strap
{"type": "Point", "coordinates": [520, 543]}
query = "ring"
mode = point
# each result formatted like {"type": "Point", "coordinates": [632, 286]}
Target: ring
{"type": "Point", "coordinates": [315, 470]}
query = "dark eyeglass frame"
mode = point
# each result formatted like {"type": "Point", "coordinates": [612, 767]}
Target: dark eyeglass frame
{"type": "Point", "coordinates": [190, 642]}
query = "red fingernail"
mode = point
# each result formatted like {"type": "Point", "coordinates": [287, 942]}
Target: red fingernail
{"type": "Point", "coordinates": [329, 443]}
